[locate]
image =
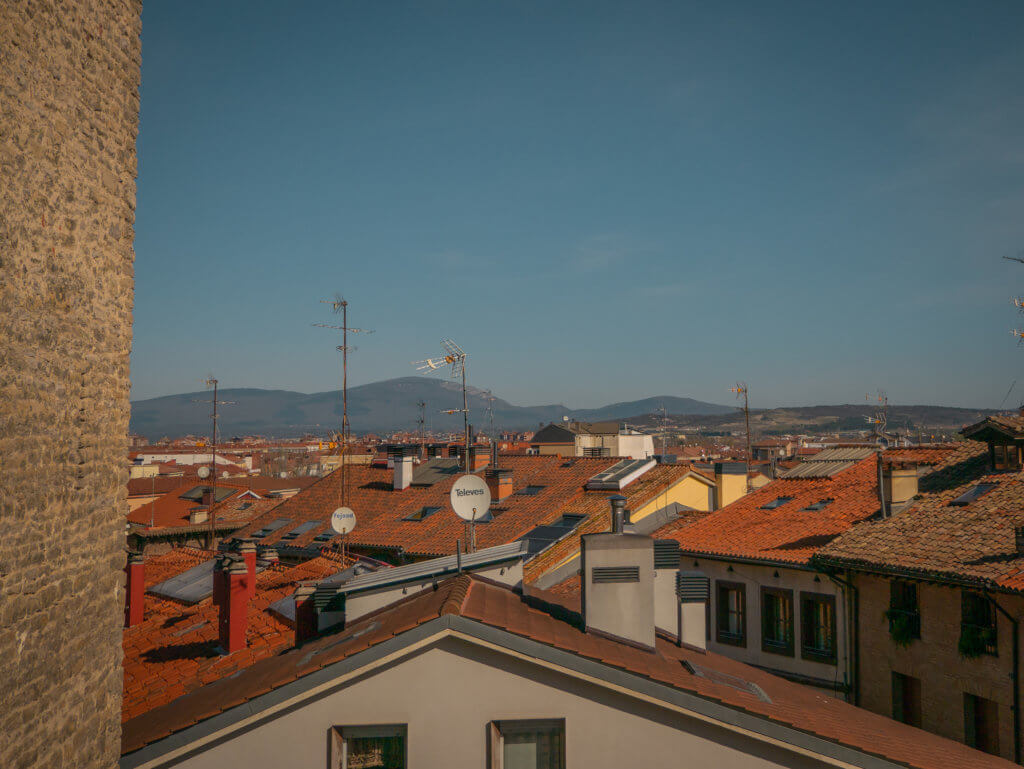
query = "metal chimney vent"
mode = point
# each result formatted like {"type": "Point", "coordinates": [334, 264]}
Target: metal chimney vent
{"type": "Point", "coordinates": [608, 574]}
{"type": "Point", "coordinates": [693, 587]}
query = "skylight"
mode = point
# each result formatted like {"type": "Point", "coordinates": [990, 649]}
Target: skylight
{"type": "Point", "coordinates": [423, 512]}
{"type": "Point", "coordinates": [777, 502]}
{"type": "Point", "coordinates": [530, 491]}
{"type": "Point", "coordinates": [821, 504]}
{"type": "Point", "coordinates": [973, 494]}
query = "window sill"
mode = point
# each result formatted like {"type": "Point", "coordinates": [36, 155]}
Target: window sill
{"type": "Point", "coordinates": [818, 655]}
{"type": "Point", "coordinates": [731, 640]}
{"type": "Point", "coordinates": [784, 650]}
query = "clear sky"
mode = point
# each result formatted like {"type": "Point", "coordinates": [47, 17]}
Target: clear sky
{"type": "Point", "coordinates": [598, 201]}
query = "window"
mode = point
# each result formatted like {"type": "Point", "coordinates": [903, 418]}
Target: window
{"type": "Point", "coordinates": [536, 744]}
{"type": "Point", "coordinates": [821, 504]}
{"type": "Point", "coordinates": [423, 512]}
{"type": "Point", "coordinates": [1005, 457]}
{"type": "Point", "coordinates": [597, 451]}
{"type": "Point", "coordinates": [977, 625]}
{"type": "Point", "coordinates": [974, 493]}
{"type": "Point", "coordinates": [777, 621]}
{"type": "Point", "coordinates": [906, 699]}
{"type": "Point", "coordinates": [730, 603]}
{"type": "Point", "coordinates": [568, 521]}
{"type": "Point", "coordinates": [818, 627]}
{"type": "Point", "coordinates": [778, 502]}
{"type": "Point", "coordinates": [369, 747]}
{"type": "Point", "coordinates": [904, 618]}
{"type": "Point", "coordinates": [981, 723]}
{"type": "Point", "coordinates": [530, 491]}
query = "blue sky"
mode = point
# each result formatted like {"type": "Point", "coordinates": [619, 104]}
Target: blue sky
{"type": "Point", "coordinates": [599, 202]}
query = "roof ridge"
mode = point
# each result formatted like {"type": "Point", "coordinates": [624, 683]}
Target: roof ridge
{"type": "Point", "coordinates": [455, 602]}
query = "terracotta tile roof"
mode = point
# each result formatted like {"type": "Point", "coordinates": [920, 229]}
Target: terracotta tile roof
{"type": "Point", "coordinates": [1011, 425]}
{"type": "Point", "coordinates": [146, 487]}
{"type": "Point", "coordinates": [172, 510]}
{"type": "Point", "coordinates": [380, 509]}
{"type": "Point", "coordinates": [473, 598]}
{"type": "Point", "coordinates": [594, 505]}
{"type": "Point", "coordinates": [174, 649]}
{"type": "Point", "coordinates": [791, 533]}
{"type": "Point", "coordinates": [973, 542]}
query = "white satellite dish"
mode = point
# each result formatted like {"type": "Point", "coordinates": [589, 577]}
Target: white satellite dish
{"type": "Point", "coordinates": [343, 520]}
{"type": "Point", "coordinates": [203, 472]}
{"type": "Point", "coordinates": [471, 499]}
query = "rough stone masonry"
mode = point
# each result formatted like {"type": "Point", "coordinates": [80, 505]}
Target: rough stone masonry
{"type": "Point", "coordinates": [69, 104]}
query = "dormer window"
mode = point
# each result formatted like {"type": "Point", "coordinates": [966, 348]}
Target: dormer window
{"type": "Point", "coordinates": [1005, 456]}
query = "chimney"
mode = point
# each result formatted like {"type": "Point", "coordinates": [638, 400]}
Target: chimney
{"type": "Point", "coordinates": [693, 589]}
{"type": "Point", "coordinates": [730, 482]}
{"type": "Point", "coordinates": [135, 590]}
{"type": "Point", "coordinates": [478, 458]}
{"type": "Point", "coordinates": [233, 619]}
{"type": "Point", "coordinates": [499, 481]}
{"type": "Point", "coordinates": [247, 549]}
{"type": "Point", "coordinates": [305, 614]}
{"type": "Point", "coordinates": [899, 481]}
{"type": "Point", "coordinates": [617, 572]}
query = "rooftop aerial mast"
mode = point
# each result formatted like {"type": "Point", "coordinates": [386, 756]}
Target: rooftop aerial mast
{"type": "Point", "coordinates": [340, 305]}
{"type": "Point", "coordinates": [455, 359]}
{"type": "Point", "coordinates": [212, 514]}
{"type": "Point", "coordinates": [741, 389]}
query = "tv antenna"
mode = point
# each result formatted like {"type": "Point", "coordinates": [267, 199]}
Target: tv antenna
{"type": "Point", "coordinates": [664, 427]}
{"type": "Point", "coordinates": [455, 359]}
{"type": "Point", "coordinates": [339, 305]}
{"type": "Point", "coordinates": [212, 514]}
{"type": "Point", "coordinates": [880, 418]}
{"type": "Point", "coordinates": [741, 389]}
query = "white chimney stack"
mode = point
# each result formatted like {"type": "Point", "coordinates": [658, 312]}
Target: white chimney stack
{"type": "Point", "coordinates": [403, 472]}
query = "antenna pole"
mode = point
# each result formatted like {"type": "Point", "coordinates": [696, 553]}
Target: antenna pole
{"type": "Point", "coordinates": [465, 415]}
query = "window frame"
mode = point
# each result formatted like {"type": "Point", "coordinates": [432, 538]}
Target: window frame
{"type": "Point", "coordinates": [897, 605]}
{"type": "Point", "coordinates": [771, 646]}
{"type": "Point", "coordinates": [340, 734]}
{"type": "Point", "coordinates": [976, 712]}
{"type": "Point", "coordinates": [980, 599]}
{"type": "Point", "coordinates": [724, 636]}
{"type": "Point", "coordinates": [901, 695]}
{"type": "Point", "coordinates": [498, 729]}
{"type": "Point", "coordinates": [811, 653]}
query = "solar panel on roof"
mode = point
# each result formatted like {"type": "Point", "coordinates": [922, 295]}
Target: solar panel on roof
{"type": "Point", "coordinates": [621, 474]}
{"type": "Point", "coordinates": [271, 527]}
{"type": "Point", "coordinates": [301, 529]}
{"type": "Point", "coordinates": [191, 586]}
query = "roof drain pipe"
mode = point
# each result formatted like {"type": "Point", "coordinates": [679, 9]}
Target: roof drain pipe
{"type": "Point", "coordinates": [881, 485]}
{"type": "Point", "coordinates": [853, 646]}
{"type": "Point", "coordinates": [1016, 677]}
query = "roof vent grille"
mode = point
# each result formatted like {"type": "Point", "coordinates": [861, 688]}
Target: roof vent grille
{"type": "Point", "coordinates": [610, 574]}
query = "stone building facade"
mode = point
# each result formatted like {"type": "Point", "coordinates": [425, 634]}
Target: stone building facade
{"type": "Point", "coordinates": [69, 102]}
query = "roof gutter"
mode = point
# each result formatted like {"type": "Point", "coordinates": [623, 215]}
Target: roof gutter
{"type": "Point", "coordinates": [748, 560]}
{"type": "Point", "coordinates": [922, 576]}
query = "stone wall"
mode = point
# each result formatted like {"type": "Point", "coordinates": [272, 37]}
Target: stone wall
{"type": "Point", "coordinates": [933, 659]}
{"type": "Point", "coordinates": [69, 78]}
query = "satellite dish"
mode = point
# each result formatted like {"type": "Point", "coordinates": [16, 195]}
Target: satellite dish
{"type": "Point", "coordinates": [471, 499]}
{"type": "Point", "coordinates": [343, 520]}
{"type": "Point", "coordinates": [203, 472]}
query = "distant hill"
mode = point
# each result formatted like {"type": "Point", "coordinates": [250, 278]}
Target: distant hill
{"type": "Point", "coordinates": [380, 407]}
{"type": "Point", "coordinates": [821, 419]}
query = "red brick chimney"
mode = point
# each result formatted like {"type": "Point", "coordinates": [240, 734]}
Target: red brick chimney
{"type": "Point", "coordinates": [305, 614]}
{"type": "Point", "coordinates": [499, 481]}
{"type": "Point", "coordinates": [135, 590]}
{"type": "Point", "coordinates": [234, 602]}
{"type": "Point", "coordinates": [247, 549]}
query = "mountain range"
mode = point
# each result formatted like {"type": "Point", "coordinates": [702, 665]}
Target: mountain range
{"type": "Point", "coordinates": [379, 407]}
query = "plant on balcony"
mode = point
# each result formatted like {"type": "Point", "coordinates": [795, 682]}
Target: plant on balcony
{"type": "Point", "coordinates": [901, 626]}
{"type": "Point", "coordinates": [975, 640]}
